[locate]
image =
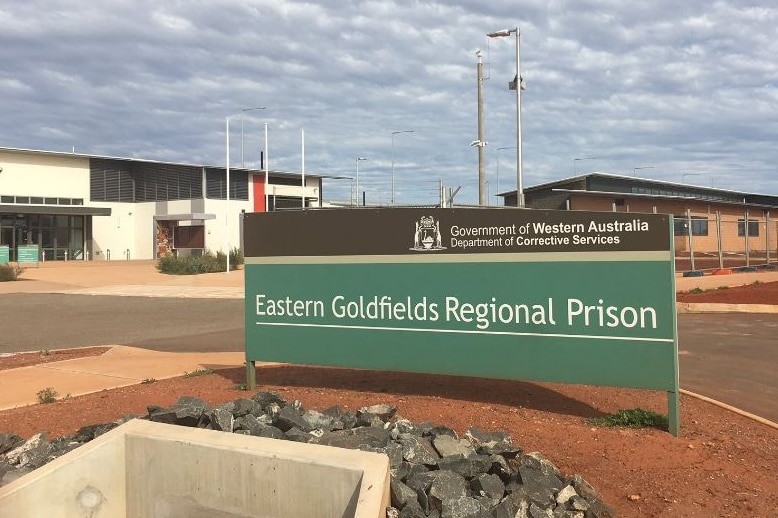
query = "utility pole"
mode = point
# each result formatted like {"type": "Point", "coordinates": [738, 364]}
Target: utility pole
{"type": "Point", "coordinates": [482, 142]}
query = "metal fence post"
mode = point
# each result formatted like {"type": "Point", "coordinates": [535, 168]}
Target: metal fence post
{"type": "Point", "coordinates": [691, 240]}
{"type": "Point", "coordinates": [745, 234]}
{"type": "Point", "coordinates": [767, 235]}
{"type": "Point", "coordinates": [718, 236]}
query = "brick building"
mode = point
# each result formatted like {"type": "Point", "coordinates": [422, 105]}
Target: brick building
{"type": "Point", "coordinates": [716, 227]}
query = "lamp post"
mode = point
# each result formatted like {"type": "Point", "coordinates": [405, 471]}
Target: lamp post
{"type": "Point", "coordinates": [227, 175]}
{"type": "Point", "coordinates": [575, 171]}
{"type": "Point", "coordinates": [359, 159]}
{"type": "Point", "coordinates": [519, 87]}
{"type": "Point", "coordinates": [635, 169]}
{"type": "Point", "coordinates": [242, 162]}
{"type": "Point", "coordinates": [393, 134]}
{"type": "Point", "coordinates": [267, 174]}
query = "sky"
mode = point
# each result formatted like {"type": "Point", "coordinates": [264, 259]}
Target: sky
{"type": "Point", "coordinates": [675, 91]}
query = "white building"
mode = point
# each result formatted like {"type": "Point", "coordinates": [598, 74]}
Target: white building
{"type": "Point", "coordinates": [85, 207]}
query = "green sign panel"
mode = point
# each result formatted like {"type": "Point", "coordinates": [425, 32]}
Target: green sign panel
{"type": "Point", "coordinates": [572, 297]}
{"type": "Point", "coordinates": [4, 255]}
{"type": "Point", "coordinates": [27, 254]}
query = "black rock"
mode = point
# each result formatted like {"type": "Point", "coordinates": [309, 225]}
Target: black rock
{"type": "Point", "coordinates": [297, 435]}
{"type": "Point", "coordinates": [463, 507]}
{"type": "Point", "coordinates": [447, 445]}
{"type": "Point", "coordinates": [488, 485]}
{"type": "Point", "coordinates": [316, 419]}
{"type": "Point", "coordinates": [467, 467]}
{"type": "Point", "coordinates": [245, 406]}
{"type": "Point", "coordinates": [532, 477]}
{"type": "Point", "coordinates": [221, 419]}
{"type": "Point", "coordinates": [267, 397]}
{"type": "Point", "coordinates": [402, 495]}
{"type": "Point", "coordinates": [538, 461]}
{"type": "Point", "coordinates": [268, 431]}
{"type": "Point", "coordinates": [446, 487]}
{"type": "Point", "coordinates": [162, 415]}
{"type": "Point", "coordinates": [440, 430]}
{"type": "Point", "coordinates": [9, 441]}
{"type": "Point", "coordinates": [87, 433]}
{"type": "Point", "coordinates": [536, 511]}
{"type": "Point", "coordinates": [384, 412]}
{"type": "Point", "coordinates": [488, 443]}
{"type": "Point", "coordinates": [418, 450]}
{"type": "Point", "coordinates": [347, 419]}
{"type": "Point", "coordinates": [412, 510]}
{"type": "Point", "coordinates": [246, 423]}
{"type": "Point", "coordinates": [289, 417]}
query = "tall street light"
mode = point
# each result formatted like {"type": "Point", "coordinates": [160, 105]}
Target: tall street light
{"type": "Point", "coordinates": [227, 175]}
{"type": "Point", "coordinates": [635, 169]}
{"type": "Point", "coordinates": [242, 162]}
{"type": "Point", "coordinates": [359, 159]}
{"type": "Point", "coordinates": [519, 86]}
{"type": "Point", "coordinates": [393, 134]}
{"type": "Point", "coordinates": [575, 171]}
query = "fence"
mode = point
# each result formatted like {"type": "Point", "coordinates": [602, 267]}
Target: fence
{"type": "Point", "coordinates": [713, 242]}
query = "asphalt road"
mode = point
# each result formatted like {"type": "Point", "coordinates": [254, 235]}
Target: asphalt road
{"type": "Point", "coordinates": [728, 357]}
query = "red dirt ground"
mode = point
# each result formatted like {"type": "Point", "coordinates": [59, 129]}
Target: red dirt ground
{"type": "Point", "coordinates": [757, 293]}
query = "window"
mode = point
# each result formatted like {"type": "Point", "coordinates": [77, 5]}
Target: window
{"type": "Point", "coordinates": [753, 228]}
{"type": "Point", "coordinates": [681, 225]}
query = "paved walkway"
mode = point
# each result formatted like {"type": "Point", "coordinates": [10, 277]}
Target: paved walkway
{"type": "Point", "coordinates": [119, 367]}
{"type": "Point", "coordinates": [123, 365]}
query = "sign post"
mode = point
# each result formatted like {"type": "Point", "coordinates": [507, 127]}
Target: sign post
{"type": "Point", "coordinates": [558, 296]}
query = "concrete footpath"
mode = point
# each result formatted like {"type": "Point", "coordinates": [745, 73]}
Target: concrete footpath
{"type": "Point", "coordinates": [123, 366]}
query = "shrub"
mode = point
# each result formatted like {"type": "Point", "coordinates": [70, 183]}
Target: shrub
{"type": "Point", "coordinates": [47, 395]}
{"type": "Point", "coordinates": [206, 263]}
{"type": "Point", "coordinates": [635, 418]}
{"type": "Point", "coordinates": [236, 256]}
{"type": "Point", "coordinates": [9, 272]}
{"type": "Point", "coordinates": [198, 372]}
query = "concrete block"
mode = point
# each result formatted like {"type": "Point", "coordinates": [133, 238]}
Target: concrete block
{"type": "Point", "coordinates": [148, 469]}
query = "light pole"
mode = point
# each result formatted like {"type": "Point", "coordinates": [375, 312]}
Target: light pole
{"type": "Point", "coordinates": [519, 86]}
{"type": "Point", "coordinates": [393, 134]}
{"type": "Point", "coordinates": [267, 174]}
{"type": "Point", "coordinates": [635, 169]}
{"type": "Point", "coordinates": [575, 171]}
{"type": "Point", "coordinates": [242, 162]}
{"type": "Point", "coordinates": [498, 165]}
{"type": "Point", "coordinates": [359, 159]}
{"type": "Point", "coordinates": [227, 175]}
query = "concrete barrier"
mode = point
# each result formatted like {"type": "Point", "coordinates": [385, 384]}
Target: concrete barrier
{"type": "Point", "coordinates": [146, 469]}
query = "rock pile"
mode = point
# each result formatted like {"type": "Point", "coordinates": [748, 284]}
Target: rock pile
{"type": "Point", "coordinates": [434, 473]}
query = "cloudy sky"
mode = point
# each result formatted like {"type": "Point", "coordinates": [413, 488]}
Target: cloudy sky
{"type": "Point", "coordinates": [675, 91]}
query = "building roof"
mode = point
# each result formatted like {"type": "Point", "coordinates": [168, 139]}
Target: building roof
{"type": "Point", "coordinates": [62, 154]}
{"type": "Point", "coordinates": [645, 187]}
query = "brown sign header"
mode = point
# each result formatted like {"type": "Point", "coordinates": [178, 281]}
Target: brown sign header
{"type": "Point", "coordinates": [400, 231]}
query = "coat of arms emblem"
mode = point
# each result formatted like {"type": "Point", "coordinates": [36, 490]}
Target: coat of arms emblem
{"type": "Point", "coordinates": [427, 238]}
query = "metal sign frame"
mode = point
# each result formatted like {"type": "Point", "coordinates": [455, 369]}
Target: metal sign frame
{"type": "Point", "coordinates": [557, 296]}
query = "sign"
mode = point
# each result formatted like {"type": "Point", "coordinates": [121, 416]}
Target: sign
{"type": "Point", "coordinates": [559, 296]}
{"type": "Point", "coordinates": [4, 255]}
{"type": "Point", "coordinates": [27, 254]}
